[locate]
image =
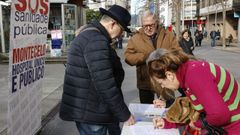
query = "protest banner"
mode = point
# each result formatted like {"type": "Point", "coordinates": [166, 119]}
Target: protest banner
{"type": "Point", "coordinates": [28, 37]}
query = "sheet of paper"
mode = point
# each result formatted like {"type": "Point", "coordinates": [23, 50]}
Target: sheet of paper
{"type": "Point", "coordinates": [149, 130]}
{"type": "Point", "coordinates": [146, 109]}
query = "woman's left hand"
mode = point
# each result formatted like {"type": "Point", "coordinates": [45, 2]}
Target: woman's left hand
{"type": "Point", "coordinates": [158, 122]}
{"type": "Point", "coordinates": [158, 103]}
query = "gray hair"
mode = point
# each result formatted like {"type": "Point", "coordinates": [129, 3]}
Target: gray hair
{"type": "Point", "coordinates": [148, 13]}
{"type": "Point", "coordinates": [106, 18]}
{"type": "Point", "coordinates": [156, 54]}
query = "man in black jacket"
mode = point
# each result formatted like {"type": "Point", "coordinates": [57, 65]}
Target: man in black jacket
{"type": "Point", "coordinates": [92, 95]}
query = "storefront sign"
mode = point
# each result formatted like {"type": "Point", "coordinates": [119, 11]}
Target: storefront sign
{"type": "Point", "coordinates": [28, 36]}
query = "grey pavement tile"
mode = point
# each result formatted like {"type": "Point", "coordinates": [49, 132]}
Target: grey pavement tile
{"type": "Point", "coordinates": [52, 90]}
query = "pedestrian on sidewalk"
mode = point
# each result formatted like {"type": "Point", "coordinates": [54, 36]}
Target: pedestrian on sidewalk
{"type": "Point", "coordinates": [218, 33]}
{"type": "Point", "coordinates": [120, 40]}
{"type": "Point", "coordinates": [196, 34]}
{"type": "Point", "coordinates": [186, 42]}
{"type": "Point", "coordinates": [205, 33]}
{"type": "Point", "coordinates": [229, 39]}
{"type": "Point", "coordinates": [92, 95]}
{"type": "Point", "coordinates": [213, 35]}
{"type": "Point", "coordinates": [200, 38]}
{"type": "Point", "coordinates": [216, 95]}
{"type": "Point", "coordinates": [147, 39]}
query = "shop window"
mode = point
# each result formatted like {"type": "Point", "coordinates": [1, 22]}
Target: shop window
{"type": "Point", "coordinates": [55, 16]}
{"type": "Point", "coordinates": [69, 14]}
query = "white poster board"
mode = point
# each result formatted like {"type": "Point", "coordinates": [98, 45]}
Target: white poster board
{"type": "Point", "coordinates": [28, 36]}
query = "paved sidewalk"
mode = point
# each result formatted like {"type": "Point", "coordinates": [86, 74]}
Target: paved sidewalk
{"type": "Point", "coordinates": [52, 91]}
{"type": "Point", "coordinates": [233, 47]}
{"type": "Point", "coordinates": [228, 57]}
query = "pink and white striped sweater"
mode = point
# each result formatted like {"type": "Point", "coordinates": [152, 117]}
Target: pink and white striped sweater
{"type": "Point", "coordinates": [213, 90]}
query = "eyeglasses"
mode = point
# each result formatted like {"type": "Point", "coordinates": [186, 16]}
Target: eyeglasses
{"type": "Point", "coordinates": [149, 25]}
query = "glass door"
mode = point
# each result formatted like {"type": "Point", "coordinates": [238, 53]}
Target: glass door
{"type": "Point", "coordinates": [69, 24]}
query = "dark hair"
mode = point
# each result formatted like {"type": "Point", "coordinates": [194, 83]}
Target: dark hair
{"type": "Point", "coordinates": [186, 30]}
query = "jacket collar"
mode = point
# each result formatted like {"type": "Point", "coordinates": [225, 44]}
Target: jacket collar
{"type": "Point", "coordinates": [159, 37]}
{"type": "Point", "coordinates": [102, 30]}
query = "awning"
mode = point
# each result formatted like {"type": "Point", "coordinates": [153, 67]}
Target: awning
{"type": "Point", "coordinates": [4, 3]}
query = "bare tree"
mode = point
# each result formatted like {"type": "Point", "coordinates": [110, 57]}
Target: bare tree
{"type": "Point", "coordinates": [216, 5]}
{"type": "Point", "coordinates": [208, 24]}
{"type": "Point", "coordinates": [157, 7]}
{"type": "Point", "coordinates": [155, 4]}
{"type": "Point", "coordinates": [224, 6]}
{"type": "Point", "coordinates": [177, 11]}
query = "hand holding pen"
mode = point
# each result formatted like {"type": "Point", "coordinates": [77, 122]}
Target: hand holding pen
{"type": "Point", "coordinates": [158, 122]}
{"type": "Point", "coordinates": [159, 103]}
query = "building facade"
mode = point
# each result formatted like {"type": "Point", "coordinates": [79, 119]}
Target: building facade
{"type": "Point", "coordinates": [166, 9]}
{"type": "Point", "coordinates": [96, 4]}
{"type": "Point", "coordinates": [188, 14]}
{"type": "Point", "coordinates": [213, 11]}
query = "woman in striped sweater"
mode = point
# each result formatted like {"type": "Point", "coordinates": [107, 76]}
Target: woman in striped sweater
{"type": "Point", "coordinates": [211, 89]}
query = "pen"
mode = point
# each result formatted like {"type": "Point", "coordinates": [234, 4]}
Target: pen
{"type": "Point", "coordinates": [138, 119]}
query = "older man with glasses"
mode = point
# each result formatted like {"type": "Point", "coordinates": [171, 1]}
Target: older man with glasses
{"type": "Point", "coordinates": [150, 37]}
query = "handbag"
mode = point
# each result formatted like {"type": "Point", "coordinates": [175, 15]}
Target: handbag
{"type": "Point", "coordinates": [189, 131]}
{"type": "Point", "coordinates": [182, 111]}
{"type": "Point", "coordinates": [211, 130]}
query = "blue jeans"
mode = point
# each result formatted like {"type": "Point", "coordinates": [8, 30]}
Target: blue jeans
{"type": "Point", "coordinates": [91, 129]}
{"type": "Point", "coordinates": [213, 42]}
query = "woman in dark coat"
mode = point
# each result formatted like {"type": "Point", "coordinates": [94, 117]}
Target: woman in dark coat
{"type": "Point", "coordinates": [186, 42]}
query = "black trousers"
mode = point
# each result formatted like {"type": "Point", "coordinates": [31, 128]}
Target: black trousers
{"type": "Point", "coordinates": [146, 96]}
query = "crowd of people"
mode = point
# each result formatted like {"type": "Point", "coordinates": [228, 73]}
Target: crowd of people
{"type": "Point", "coordinates": [92, 93]}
